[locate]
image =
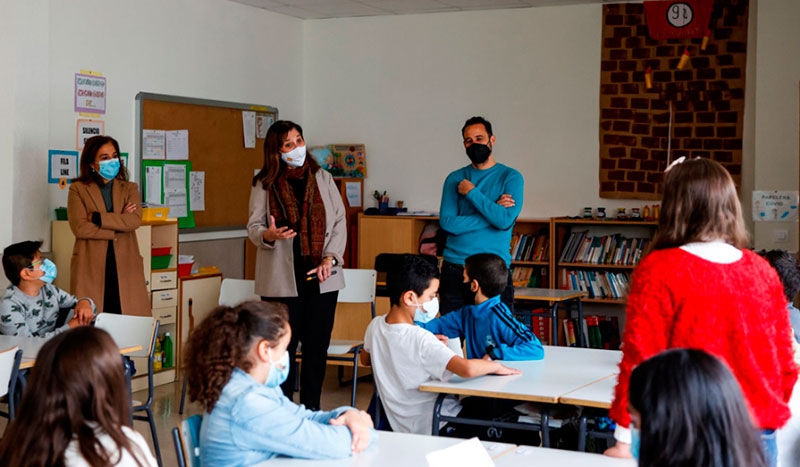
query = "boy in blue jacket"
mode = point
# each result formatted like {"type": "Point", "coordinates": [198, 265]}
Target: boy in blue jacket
{"type": "Point", "coordinates": [488, 326]}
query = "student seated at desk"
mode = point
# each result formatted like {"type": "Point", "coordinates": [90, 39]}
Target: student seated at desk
{"type": "Point", "coordinates": [236, 360]}
{"type": "Point", "coordinates": [403, 355]}
{"type": "Point", "coordinates": [687, 409]}
{"type": "Point", "coordinates": [31, 304]}
{"type": "Point", "coordinates": [488, 326]}
{"type": "Point", "coordinates": [76, 408]}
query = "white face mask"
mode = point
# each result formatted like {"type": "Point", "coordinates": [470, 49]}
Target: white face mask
{"type": "Point", "coordinates": [427, 311]}
{"type": "Point", "coordinates": [296, 157]}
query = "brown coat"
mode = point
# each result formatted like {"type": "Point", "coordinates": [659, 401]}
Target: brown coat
{"type": "Point", "coordinates": [91, 243]}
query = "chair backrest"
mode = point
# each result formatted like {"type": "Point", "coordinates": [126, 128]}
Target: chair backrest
{"type": "Point", "coordinates": [359, 286]}
{"type": "Point", "coordinates": [9, 366]}
{"type": "Point", "coordinates": [235, 291]}
{"type": "Point", "coordinates": [130, 331]}
{"type": "Point", "coordinates": [190, 440]}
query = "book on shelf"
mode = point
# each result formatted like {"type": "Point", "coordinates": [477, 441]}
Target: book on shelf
{"type": "Point", "coordinates": [527, 247]}
{"type": "Point", "coordinates": [540, 325]}
{"type": "Point", "coordinates": [527, 276]}
{"type": "Point", "coordinates": [603, 249]}
{"type": "Point", "coordinates": [599, 332]}
{"type": "Point", "coordinates": [597, 284]}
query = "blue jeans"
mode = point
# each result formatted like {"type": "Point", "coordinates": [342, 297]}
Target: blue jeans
{"type": "Point", "coordinates": [770, 446]}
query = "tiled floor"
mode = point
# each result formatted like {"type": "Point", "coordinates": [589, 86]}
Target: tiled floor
{"type": "Point", "coordinates": [167, 401]}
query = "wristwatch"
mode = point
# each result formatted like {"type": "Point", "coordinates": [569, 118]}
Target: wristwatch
{"type": "Point", "coordinates": [332, 259]}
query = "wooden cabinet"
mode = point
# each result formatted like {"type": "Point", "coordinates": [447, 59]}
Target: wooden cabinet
{"type": "Point", "coordinates": [388, 234]}
{"type": "Point", "coordinates": [598, 256]}
{"type": "Point", "coordinates": [203, 293]}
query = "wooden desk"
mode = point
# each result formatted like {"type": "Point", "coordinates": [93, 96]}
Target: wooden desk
{"type": "Point", "coordinates": [554, 297]}
{"type": "Point", "coordinates": [526, 456]}
{"type": "Point", "coordinates": [392, 450]}
{"type": "Point", "coordinates": [563, 370]}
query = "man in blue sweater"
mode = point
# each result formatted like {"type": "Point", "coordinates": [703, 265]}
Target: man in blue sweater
{"type": "Point", "coordinates": [480, 203]}
{"type": "Point", "coordinates": [488, 326]}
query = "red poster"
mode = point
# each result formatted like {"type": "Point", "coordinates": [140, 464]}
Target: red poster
{"type": "Point", "coordinates": [677, 19]}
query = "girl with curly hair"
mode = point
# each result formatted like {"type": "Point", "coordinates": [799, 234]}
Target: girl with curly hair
{"type": "Point", "coordinates": [236, 360]}
{"type": "Point", "coordinates": [76, 408]}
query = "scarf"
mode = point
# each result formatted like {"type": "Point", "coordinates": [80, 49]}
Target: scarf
{"type": "Point", "coordinates": [306, 218]}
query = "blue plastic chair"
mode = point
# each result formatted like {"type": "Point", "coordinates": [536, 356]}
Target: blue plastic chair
{"type": "Point", "coordinates": [187, 441]}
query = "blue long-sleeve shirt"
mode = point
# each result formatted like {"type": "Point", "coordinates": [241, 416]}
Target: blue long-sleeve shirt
{"type": "Point", "coordinates": [252, 423]}
{"type": "Point", "coordinates": [475, 223]}
{"type": "Point", "coordinates": [490, 323]}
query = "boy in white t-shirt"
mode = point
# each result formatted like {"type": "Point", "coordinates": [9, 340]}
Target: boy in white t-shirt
{"type": "Point", "coordinates": [403, 355]}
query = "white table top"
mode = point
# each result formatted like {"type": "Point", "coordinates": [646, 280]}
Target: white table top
{"type": "Point", "coordinates": [599, 394]}
{"type": "Point", "coordinates": [563, 370]}
{"type": "Point", "coordinates": [392, 450]}
{"type": "Point", "coordinates": [527, 456]}
{"type": "Point", "coordinates": [30, 348]}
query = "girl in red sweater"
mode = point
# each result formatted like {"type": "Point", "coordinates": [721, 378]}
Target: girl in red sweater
{"type": "Point", "coordinates": [700, 288]}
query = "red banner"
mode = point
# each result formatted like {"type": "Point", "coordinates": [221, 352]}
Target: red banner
{"type": "Point", "coordinates": [678, 19]}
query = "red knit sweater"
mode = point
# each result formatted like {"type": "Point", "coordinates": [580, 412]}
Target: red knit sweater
{"type": "Point", "coordinates": [735, 311]}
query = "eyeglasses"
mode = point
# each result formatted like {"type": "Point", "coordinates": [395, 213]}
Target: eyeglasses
{"type": "Point", "coordinates": [35, 263]}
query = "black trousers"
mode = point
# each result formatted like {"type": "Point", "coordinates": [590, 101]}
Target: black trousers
{"type": "Point", "coordinates": [311, 319]}
{"type": "Point", "coordinates": [111, 303]}
{"type": "Point", "coordinates": [451, 283]}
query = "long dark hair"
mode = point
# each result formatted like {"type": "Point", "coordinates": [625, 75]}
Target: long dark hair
{"type": "Point", "coordinates": [273, 168]}
{"type": "Point", "coordinates": [76, 389]}
{"type": "Point", "coordinates": [700, 204]}
{"type": "Point", "coordinates": [87, 174]}
{"type": "Point", "coordinates": [692, 413]}
{"type": "Point", "coordinates": [222, 342]}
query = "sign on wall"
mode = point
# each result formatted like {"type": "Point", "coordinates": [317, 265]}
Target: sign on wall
{"type": "Point", "coordinates": [775, 206]}
{"type": "Point", "coordinates": [90, 94]}
{"type": "Point", "coordinates": [85, 129]}
{"type": "Point", "coordinates": [62, 165]}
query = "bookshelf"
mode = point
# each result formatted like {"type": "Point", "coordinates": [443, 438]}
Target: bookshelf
{"type": "Point", "coordinates": [530, 253]}
{"type": "Point", "coordinates": [597, 256]}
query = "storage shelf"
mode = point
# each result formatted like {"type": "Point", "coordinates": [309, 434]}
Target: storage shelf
{"type": "Point", "coordinates": [597, 266]}
{"type": "Point", "coordinates": [530, 263]}
{"type": "Point", "coordinates": [566, 220]}
{"type": "Point", "coordinates": [605, 300]}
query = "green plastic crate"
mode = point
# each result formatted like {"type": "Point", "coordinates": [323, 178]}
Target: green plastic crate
{"type": "Point", "coordinates": [160, 262]}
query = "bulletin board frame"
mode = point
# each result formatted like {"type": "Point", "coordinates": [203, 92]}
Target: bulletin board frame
{"type": "Point", "coordinates": [216, 147]}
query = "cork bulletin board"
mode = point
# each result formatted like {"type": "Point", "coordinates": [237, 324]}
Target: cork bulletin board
{"type": "Point", "coordinates": [216, 147]}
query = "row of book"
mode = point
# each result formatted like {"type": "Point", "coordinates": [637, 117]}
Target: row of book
{"type": "Point", "coordinates": [603, 249]}
{"type": "Point", "coordinates": [524, 276]}
{"type": "Point", "coordinates": [525, 247]}
{"type": "Point", "coordinates": [599, 332]}
{"type": "Point", "coordinates": [598, 284]}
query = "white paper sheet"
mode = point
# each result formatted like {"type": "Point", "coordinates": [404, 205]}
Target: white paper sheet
{"type": "Point", "coordinates": [177, 144]}
{"type": "Point", "coordinates": [263, 122]}
{"type": "Point", "coordinates": [175, 190]}
{"type": "Point", "coordinates": [469, 452]}
{"type": "Point", "coordinates": [197, 191]}
{"type": "Point", "coordinates": [152, 180]}
{"type": "Point", "coordinates": [353, 191]}
{"type": "Point", "coordinates": [249, 126]}
{"type": "Point", "coordinates": [154, 144]}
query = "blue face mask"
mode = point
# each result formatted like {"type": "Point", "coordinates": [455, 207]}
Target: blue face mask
{"type": "Point", "coordinates": [635, 442]}
{"type": "Point", "coordinates": [427, 311]}
{"type": "Point", "coordinates": [109, 168]}
{"type": "Point", "coordinates": [50, 271]}
{"type": "Point", "coordinates": [278, 371]}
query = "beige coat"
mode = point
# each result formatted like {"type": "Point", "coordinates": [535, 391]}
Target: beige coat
{"type": "Point", "coordinates": [275, 263]}
{"type": "Point", "coordinates": [88, 266]}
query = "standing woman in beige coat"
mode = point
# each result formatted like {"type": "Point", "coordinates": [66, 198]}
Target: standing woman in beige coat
{"type": "Point", "coordinates": [104, 211]}
{"type": "Point", "coordinates": [297, 221]}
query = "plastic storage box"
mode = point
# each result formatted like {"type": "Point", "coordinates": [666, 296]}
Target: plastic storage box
{"type": "Point", "coordinates": [160, 262]}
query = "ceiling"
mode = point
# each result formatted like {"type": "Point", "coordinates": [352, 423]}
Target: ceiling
{"type": "Point", "coordinates": [321, 9]}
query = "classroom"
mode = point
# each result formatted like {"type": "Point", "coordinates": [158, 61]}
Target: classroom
{"type": "Point", "coordinates": [401, 84]}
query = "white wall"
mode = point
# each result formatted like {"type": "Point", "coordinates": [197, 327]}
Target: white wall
{"type": "Point", "coordinates": [209, 49]}
{"type": "Point", "coordinates": [776, 113]}
{"type": "Point", "coordinates": [404, 85]}
{"type": "Point", "coordinates": [8, 58]}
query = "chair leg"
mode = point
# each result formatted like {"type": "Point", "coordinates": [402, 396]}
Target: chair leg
{"type": "Point", "coordinates": [152, 423]}
{"type": "Point", "coordinates": [183, 396]}
{"type": "Point", "coordinates": [355, 377]}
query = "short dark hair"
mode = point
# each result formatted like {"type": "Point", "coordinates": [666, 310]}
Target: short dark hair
{"type": "Point", "coordinates": [490, 271]}
{"type": "Point", "coordinates": [413, 273]}
{"type": "Point", "coordinates": [785, 264]}
{"type": "Point", "coordinates": [17, 257]}
{"type": "Point", "coordinates": [692, 412]}
{"type": "Point", "coordinates": [477, 121]}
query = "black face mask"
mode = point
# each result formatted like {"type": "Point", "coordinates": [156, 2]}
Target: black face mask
{"type": "Point", "coordinates": [466, 294]}
{"type": "Point", "coordinates": [478, 153]}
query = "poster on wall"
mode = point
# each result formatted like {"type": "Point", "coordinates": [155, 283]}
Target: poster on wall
{"type": "Point", "coordinates": [86, 128]}
{"type": "Point", "coordinates": [775, 206]}
{"type": "Point", "coordinates": [61, 165]}
{"type": "Point", "coordinates": [90, 93]}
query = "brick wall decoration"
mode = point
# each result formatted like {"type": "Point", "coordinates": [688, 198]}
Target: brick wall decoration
{"type": "Point", "coordinates": [707, 98]}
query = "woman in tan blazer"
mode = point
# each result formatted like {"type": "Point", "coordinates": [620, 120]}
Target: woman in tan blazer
{"type": "Point", "coordinates": [297, 221]}
{"type": "Point", "coordinates": [104, 211]}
